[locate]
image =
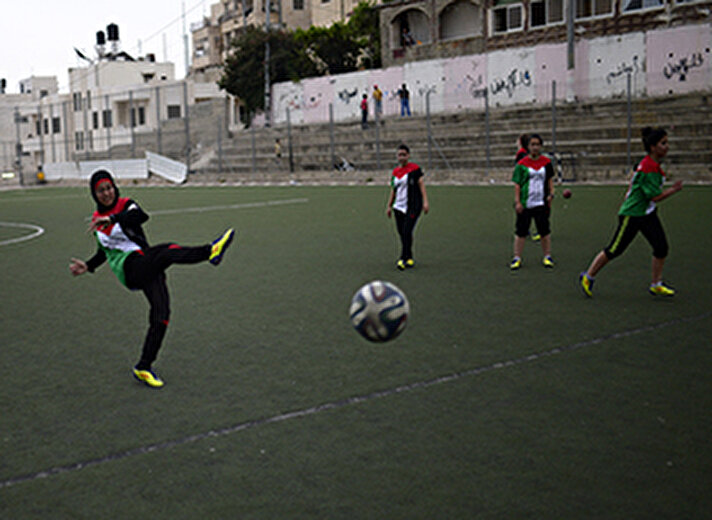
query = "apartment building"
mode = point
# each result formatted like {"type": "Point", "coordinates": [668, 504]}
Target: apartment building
{"type": "Point", "coordinates": [413, 30]}
{"type": "Point", "coordinates": [212, 36]}
{"type": "Point", "coordinates": [109, 104]}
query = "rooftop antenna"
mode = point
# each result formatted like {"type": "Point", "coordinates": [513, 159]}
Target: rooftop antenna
{"type": "Point", "coordinates": [185, 43]}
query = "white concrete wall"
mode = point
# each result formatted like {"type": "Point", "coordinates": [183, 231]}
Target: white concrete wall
{"type": "Point", "coordinates": [669, 61]}
{"type": "Point", "coordinates": [610, 59]}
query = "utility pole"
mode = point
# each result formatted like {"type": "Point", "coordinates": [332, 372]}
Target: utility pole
{"type": "Point", "coordinates": [185, 45]}
{"type": "Point", "coordinates": [268, 9]}
{"type": "Point", "coordinates": [570, 62]}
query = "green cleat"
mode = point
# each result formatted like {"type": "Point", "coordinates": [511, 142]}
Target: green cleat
{"type": "Point", "coordinates": [220, 246]}
{"type": "Point", "coordinates": [660, 289]}
{"type": "Point", "coordinates": [147, 377]}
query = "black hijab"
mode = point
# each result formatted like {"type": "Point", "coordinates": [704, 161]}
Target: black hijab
{"type": "Point", "coordinates": [96, 178]}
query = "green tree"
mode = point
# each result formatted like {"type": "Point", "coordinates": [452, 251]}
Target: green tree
{"type": "Point", "coordinates": [333, 47]}
{"type": "Point", "coordinates": [342, 47]}
{"type": "Point", "coordinates": [244, 74]}
{"type": "Point", "coordinates": [364, 26]}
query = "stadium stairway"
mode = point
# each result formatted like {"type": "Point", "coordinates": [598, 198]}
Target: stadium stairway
{"type": "Point", "coordinates": [591, 144]}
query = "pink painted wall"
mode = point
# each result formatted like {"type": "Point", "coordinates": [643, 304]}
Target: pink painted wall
{"type": "Point", "coordinates": [679, 60]}
{"type": "Point", "coordinates": [661, 62]}
{"type": "Point", "coordinates": [466, 78]}
{"type": "Point", "coordinates": [550, 66]}
{"type": "Point", "coordinates": [318, 93]}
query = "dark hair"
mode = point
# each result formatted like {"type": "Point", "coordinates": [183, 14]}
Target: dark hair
{"type": "Point", "coordinates": [652, 136]}
{"type": "Point", "coordinates": [403, 146]}
{"type": "Point", "coordinates": [96, 178]}
{"type": "Point", "coordinates": [524, 140]}
{"type": "Point", "coordinates": [535, 136]}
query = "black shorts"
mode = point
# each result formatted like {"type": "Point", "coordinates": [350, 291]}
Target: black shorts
{"type": "Point", "coordinates": [540, 214]}
{"type": "Point", "coordinates": [628, 227]}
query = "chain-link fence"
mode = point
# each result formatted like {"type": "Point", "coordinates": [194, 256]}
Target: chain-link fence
{"type": "Point", "coordinates": [471, 131]}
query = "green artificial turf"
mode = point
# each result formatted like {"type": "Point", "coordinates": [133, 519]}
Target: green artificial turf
{"type": "Point", "coordinates": [583, 408]}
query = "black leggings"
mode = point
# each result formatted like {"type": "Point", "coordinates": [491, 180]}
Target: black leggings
{"type": "Point", "coordinates": [405, 224]}
{"type": "Point", "coordinates": [628, 227]}
{"type": "Point", "coordinates": [145, 270]}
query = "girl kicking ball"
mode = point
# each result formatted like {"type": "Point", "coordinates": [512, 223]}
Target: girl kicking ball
{"type": "Point", "coordinates": [116, 223]}
{"type": "Point", "coordinates": [639, 213]}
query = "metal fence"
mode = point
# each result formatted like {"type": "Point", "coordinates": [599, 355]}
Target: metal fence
{"type": "Point", "coordinates": [585, 137]}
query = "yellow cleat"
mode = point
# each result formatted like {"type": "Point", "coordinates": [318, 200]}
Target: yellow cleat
{"type": "Point", "coordinates": [586, 284]}
{"type": "Point", "coordinates": [548, 262]}
{"type": "Point", "coordinates": [661, 289]}
{"type": "Point", "coordinates": [147, 377]}
{"type": "Point", "coordinates": [410, 263]}
{"type": "Point", "coordinates": [220, 246]}
{"type": "Point", "coordinates": [515, 264]}
{"type": "Point", "coordinates": [400, 264]}
{"type": "Point", "coordinates": [536, 237]}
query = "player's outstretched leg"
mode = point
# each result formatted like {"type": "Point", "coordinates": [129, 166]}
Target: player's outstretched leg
{"type": "Point", "coordinates": [220, 245]}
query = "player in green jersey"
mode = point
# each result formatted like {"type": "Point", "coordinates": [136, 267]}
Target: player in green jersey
{"type": "Point", "coordinates": [639, 213]}
{"type": "Point", "coordinates": [533, 179]}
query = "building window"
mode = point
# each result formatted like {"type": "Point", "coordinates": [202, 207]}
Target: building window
{"type": "Point", "coordinates": [77, 101]}
{"type": "Point", "coordinates": [89, 99]}
{"type": "Point", "coordinates": [507, 18]}
{"type": "Point", "coordinates": [593, 8]}
{"type": "Point", "coordinates": [546, 12]}
{"type": "Point", "coordinates": [95, 120]}
{"type": "Point", "coordinates": [46, 126]}
{"type": "Point", "coordinates": [141, 112]}
{"type": "Point", "coordinates": [56, 128]}
{"type": "Point", "coordinates": [106, 118]}
{"type": "Point", "coordinates": [298, 5]}
{"type": "Point", "coordinates": [79, 141]}
{"type": "Point", "coordinates": [173, 111]}
{"type": "Point", "coordinates": [637, 5]}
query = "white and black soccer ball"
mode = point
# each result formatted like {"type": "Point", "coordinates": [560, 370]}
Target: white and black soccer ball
{"type": "Point", "coordinates": [379, 311]}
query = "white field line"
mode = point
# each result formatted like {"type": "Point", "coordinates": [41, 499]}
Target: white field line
{"type": "Point", "coordinates": [244, 205]}
{"type": "Point", "coordinates": [335, 405]}
{"type": "Point", "coordinates": [37, 232]}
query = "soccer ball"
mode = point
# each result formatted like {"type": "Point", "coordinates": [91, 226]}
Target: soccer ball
{"type": "Point", "coordinates": [567, 193]}
{"type": "Point", "coordinates": [379, 311]}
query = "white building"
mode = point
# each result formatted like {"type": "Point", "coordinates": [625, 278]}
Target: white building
{"type": "Point", "coordinates": [110, 103]}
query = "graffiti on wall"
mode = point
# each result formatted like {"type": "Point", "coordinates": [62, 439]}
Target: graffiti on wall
{"type": "Point", "coordinates": [476, 86]}
{"type": "Point", "coordinates": [515, 79]}
{"type": "Point", "coordinates": [313, 102]}
{"type": "Point", "coordinates": [624, 68]}
{"type": "Point", "coordinates": [290, 100]}
{"type": "Point", "coordinates": [681, 68]}
{"type": "Point", "coordinates": [346, 96]}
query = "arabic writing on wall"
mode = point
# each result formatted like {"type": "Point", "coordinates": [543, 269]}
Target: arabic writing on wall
{"type": "Point", "coordinates": [683, 66]}
{"type": "Point", "coordinates": [516, 78]}
{"type": "Point", "coordinates": [624, 68]}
